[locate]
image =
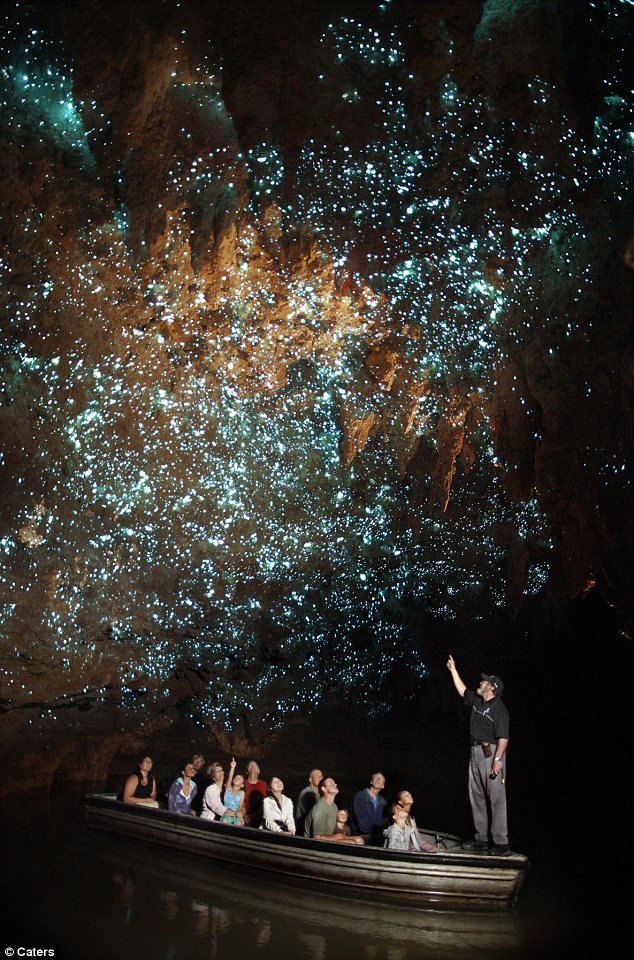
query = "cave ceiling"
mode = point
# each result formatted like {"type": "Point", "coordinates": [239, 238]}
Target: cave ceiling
{"type": "Point", "coordinates": [316, 331]}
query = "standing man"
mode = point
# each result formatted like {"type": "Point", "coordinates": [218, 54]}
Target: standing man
{"type": "Point", "coordinates": [489, 729]}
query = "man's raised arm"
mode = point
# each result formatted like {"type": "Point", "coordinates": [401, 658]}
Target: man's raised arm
{"type": "Point", "coordinates": [459, 683]}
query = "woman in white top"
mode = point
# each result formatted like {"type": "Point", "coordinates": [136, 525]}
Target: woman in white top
{"type": "Point", "coordinates": [213, 807]}
{"type": "Point", "coordinates": [278, 809]}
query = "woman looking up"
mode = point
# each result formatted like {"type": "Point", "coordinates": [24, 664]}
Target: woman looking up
{"type": "Point", "coordinates": [277, 811]}
{"type": "Point", "coordinates": [140, 786]}
{"type": "Point", "coordinates": [182, 792]}
{"type": "Point", "coordinates": [213, 807]}
{"type": "Point", "coordinates": [416, 842]}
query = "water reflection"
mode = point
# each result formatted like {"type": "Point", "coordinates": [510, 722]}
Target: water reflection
{"type": "Point", "coordinates": [200, 910]}
{"type": "Point", "coordinates": [78, 887]}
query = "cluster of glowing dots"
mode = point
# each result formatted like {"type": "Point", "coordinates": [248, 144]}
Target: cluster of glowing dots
{"type": "Point", "coordinates": [203, 527]}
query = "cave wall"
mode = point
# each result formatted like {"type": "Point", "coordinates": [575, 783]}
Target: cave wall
{"type": "Point", "coordinates": [316, 330]}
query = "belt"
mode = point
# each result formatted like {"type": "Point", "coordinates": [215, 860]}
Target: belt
{"type": "Point", "coordinates": [478, 743]}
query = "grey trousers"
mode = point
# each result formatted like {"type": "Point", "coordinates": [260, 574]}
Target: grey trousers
{"type": "Point", "coordinates": [488, 797]}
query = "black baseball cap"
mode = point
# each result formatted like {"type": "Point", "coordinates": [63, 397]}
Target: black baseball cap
{"type": "Point", "coordinates": [495, 682]}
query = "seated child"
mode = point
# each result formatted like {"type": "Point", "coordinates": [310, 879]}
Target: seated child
{"type": "Point", "coordinates": [342, 822]}
{"type": "Point", "coordinates": [234, 797]}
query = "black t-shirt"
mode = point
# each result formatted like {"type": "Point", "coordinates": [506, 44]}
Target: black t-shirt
{"type": "Point", "coordinates": [140, 792]}
{"type": "Point", "coordinates": [143, 792]}
{"type": "Point", "coordinates": [489, 719]}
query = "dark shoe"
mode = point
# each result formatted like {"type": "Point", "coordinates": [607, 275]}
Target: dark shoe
{"type": "Point", "coordinates": [500, 850]}
{"type": "Point", "coordinates": [474, 844]}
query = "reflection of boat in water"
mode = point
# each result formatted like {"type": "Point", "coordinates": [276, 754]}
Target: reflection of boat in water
{"type": "Point", "coordinates": [246, 909]}
{"type": "Point", "coordinates": [448, 879]}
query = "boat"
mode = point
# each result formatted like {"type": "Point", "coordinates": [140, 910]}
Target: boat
{"type": "Point", "coordinates": [327, 921]}
{"type": "Point", "coordinates": [450, 879]}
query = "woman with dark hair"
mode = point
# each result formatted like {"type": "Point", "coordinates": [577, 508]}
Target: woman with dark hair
{"type": "Point", "coordinates": [277, 809]}
{"type": "Point", "coordinates": [182, 792]}
{"type": "Point", "coordinates": [403, 833]}
{"type": "Point", "coordinates": [140, 786]}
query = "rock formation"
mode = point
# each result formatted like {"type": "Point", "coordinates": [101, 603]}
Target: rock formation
{"type": "Point", "coordinates": [314, 318]}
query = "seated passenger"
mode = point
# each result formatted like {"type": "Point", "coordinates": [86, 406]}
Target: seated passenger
{"type": "Point", "coordinates": [369, 810]}
{"type": "Point", "coordinates": [307, 798]}
{"type": "Point", "coordinates": [405, 800]}
{"type": "Point", "coordinates": [255, 790]}
{"type": "Point", "coordinates": [213, 807]}
{"type": "Point", "coordinates": [277, 809]}
{"type": "Point", "coordinates": [197, 761]}
{"type": "Point", "coordinates": [342, 822]}
{"type": "Point", "coordinates": [399, 835]}
{"type": "Point", "coordinates": [140, 786]}
{"type": "Point", "coordinates": [182, 792]}
{"type": "Point", "coordinates": [234, 797]}
{"type": "Point", "coordinates": [321, 822]}
{"type": "Point", "coordinates": [201, 781]}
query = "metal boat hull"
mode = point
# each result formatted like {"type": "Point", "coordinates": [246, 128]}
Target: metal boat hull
{"type": "Point", "coordinates": [448, 879]}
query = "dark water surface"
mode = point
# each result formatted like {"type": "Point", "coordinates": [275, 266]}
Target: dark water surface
{"type": "Point", "coordinates": [570, 812]}
{"type": "Point", "coordinates": [100, 896]}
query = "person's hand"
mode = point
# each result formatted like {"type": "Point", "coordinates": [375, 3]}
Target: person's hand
{"type": "Point", "coordinates": [451, 664]}
{"type": "Point", "coordinates": [496, 767]}
{"type": "Point", "coordinates": [233, 762]}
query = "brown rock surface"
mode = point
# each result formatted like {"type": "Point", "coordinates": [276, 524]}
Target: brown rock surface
{"type": "Point", "coordinates": [285, 355]}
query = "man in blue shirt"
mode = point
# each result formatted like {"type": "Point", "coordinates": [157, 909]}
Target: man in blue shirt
{"type": "Point", "coordinates": [369, 811]}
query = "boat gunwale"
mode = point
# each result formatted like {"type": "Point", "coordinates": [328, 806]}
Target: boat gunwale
{"type": "Point", "coordinates": [255, 837]}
